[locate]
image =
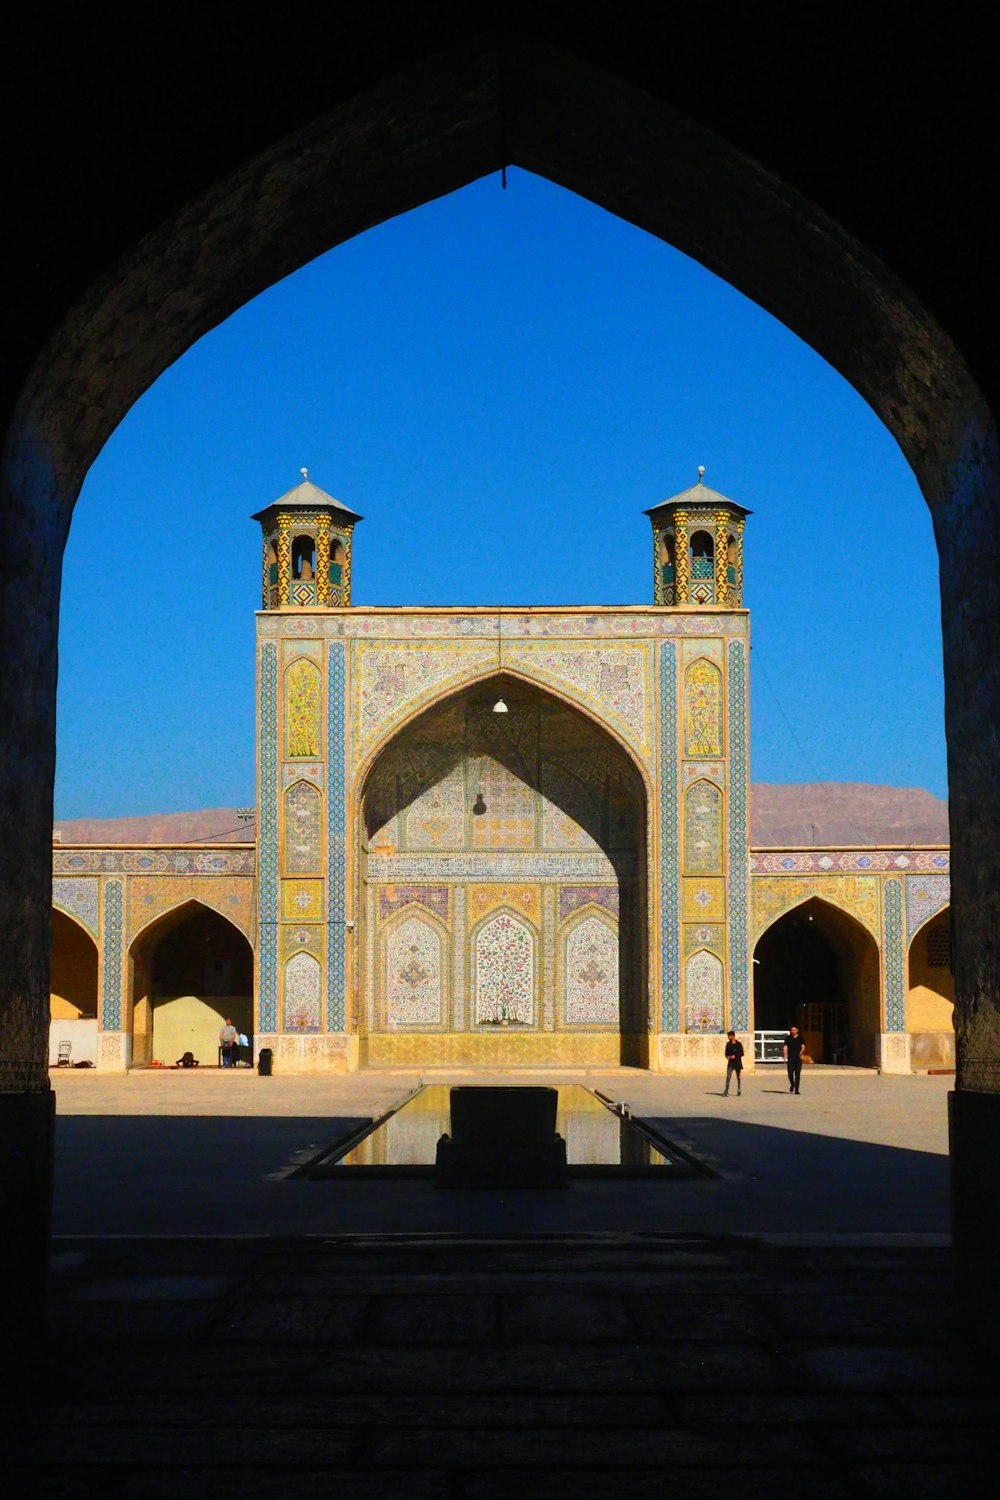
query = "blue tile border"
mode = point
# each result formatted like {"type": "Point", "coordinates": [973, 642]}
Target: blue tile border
{"type": "Point", "coordinates": [670, 1010]}
{"type": "Point", "coordinates": [739, 839]}
{"type": "Point", "coordinates": [336, 1006]}
{"type": "Point", "coordinates": [895, 979]}
{"type": "Point", "coordinates": [111, 989]}
{"type": "Point", "coordinates": [267, 835]}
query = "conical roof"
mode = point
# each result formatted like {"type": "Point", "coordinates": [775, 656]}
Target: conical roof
{"type": "Point", "coordinates": [308, 496]}
{"type": "Point", "coordinates": [699, 494]}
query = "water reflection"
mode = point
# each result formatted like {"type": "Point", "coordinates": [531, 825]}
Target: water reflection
{"type": "Point", "coordinates": [595, 1136]}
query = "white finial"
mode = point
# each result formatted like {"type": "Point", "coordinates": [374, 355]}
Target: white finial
{"type": "Point", "coordinates": [305, 473]}
{"type": "Point", "coordinates": [701, 473]}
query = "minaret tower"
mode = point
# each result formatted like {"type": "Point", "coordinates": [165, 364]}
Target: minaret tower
{"type": "Point", "coordinates": [307, 549]}
{"type": "Point", "coordinates": [698, 548]}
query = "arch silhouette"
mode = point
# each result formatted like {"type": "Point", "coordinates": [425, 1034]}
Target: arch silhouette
{"type": "Point", "coordinates": [424, 131]}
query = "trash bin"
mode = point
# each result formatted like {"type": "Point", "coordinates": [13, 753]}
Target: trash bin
{"type": "Point", "coordinates": [265, 1059]}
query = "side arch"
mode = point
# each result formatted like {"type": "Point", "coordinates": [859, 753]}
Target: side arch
{"type": "Point", "coordinates": [190, 969]}
{"type": "Point", "coordinates": [930, 993]}
{"type": "Point", "coordinates": [818, 966]}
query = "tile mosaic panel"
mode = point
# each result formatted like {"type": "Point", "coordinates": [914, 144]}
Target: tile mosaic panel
{"type": "Point", "coordinates": [403, 868]}
{"type": "Point", "coordinates": [715, 770]}
{"type": "Point", "coordinates": [302, 710]}
{"type": "Point", "coordinates": [703, 992]}
{"type": "Point", "coordinates": [267, 834]}
{"type": "Point", "coordinates": [302, 900]}
{"type": "Point", "coordinates": [415, 974]}
{"type": "Point", "coordinates": [572, 897]}
{"type": "Point", "coordinates": [739, 838]}
{"type": "Point", "coordinates": [926, 895]}
{"type": "Point", "coordinates": [394, 897]}
{"type": "Point", "coordinates": [507, 819]}
{"type": "Point", "coordinates": [293, 649]}
{"type": "Point", "coordinates": [704, 935]}
{"type": "Point", "coordinates": [703, 829]}
{"type": "Point", "coordinates": [669, 865]}
{"type": "Point", "coordinates": [614, 683]}
{"type": "Point", "coordinates": [391, 681]}
{"type": "Point", "coordinates": [303, 993]}
{"type": "Point", "coordinates": [78, 896]}
{"type": "Point", "coordinates": [525, 899]}
{"type": "Point", "coordinates": [703, 734]}
{"type": "Point", "coordinates": [641, 621]}
{"type": "Point", "coordinates": [436, 819]}
{"type": "Point", "coordinates": [149, 860]}
{"type": "Point", "coordinates": [504, 971]}
{"type": "Point", "coordinates": [298, 770]}
{"type": "Point", "coordinates": [458, 967]}
{"type": "Point", "coordinates": [147, 898]}
{"type": "Point", "coordinates": [336, 843]}
{"type": "Point", "coordinates": [829, 861]}
{"type": "Point", "coordinates": [301, 940]}
{"type": "Point", "coordinates": [111, 977]}
{"type": "Point", "coordinates": [303, 830]}
{"type": "Point", "coordinates": [704, 900]}
{"type": "Point", "coordinates": [893, 958]}
{"type": "Point", "coordinates": [590, 970]}
{"type": "Point", "coordinates": [856, 894]}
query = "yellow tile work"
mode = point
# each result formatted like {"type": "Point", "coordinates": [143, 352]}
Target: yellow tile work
{"type": "Point", "coordinates": [525, 899]}
{"type": "Point", "coordinates": [479, 1050]}
{"type": "Point", "coordinates": [704, 900]}
{"type": "Point", "coordinates": [302, 900]}
{"type": "Point", "coordinates": [774, 894]}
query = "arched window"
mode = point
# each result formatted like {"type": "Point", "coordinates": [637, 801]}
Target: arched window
{"type": "Point", "coordinates": [731, 560]}
{"type": "Point", "coordinates": [667, 559]}
{"type": "Point", "coordinates": [304, 558]}
{"type": "Point", "coordinates": [338, 557]}
{"type": "Point", "coordinates": [272, 564]}
{"type": "Point", "coordinates": [702, 555]}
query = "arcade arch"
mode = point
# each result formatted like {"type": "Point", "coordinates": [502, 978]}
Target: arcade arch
{"type": "Point", "coordinates": [817, 967]}
{"type": "Point", "coordinates": [930, 994]}
{"type": "Point", "coordinates": [502, 884]}
{"type": "Point", "coordinates": [73, 990]}
{"type": "Point", "coordinates": [189, 971]}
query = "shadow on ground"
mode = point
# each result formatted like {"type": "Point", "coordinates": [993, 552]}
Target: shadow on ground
{"type": "Point", "coordinates": [189, 1175]}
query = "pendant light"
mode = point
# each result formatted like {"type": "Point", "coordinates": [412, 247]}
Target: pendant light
{"type": "Point", "coordinates": [500, 706]}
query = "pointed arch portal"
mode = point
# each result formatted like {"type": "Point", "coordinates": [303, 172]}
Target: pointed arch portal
{"type": "Point", "coordinates": [502, 886]}
{"type": "Point", "coordinates": [817, 968]}
{"type": "Point", "coordinates": [189, 971]}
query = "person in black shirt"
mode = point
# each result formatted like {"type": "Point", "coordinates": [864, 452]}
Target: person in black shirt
{"type": "Point", "coordinates": [792, 1053]}
{"type": "Point", "coordinates": [734, 1063]}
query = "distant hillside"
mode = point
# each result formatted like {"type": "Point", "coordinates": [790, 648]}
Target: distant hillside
{"type": "Point", "coordinates": [213, 825]}
{"type": "Point", "coordinates": [844, 812]}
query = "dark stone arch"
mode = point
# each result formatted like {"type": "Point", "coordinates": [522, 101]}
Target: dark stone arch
{"type": "Point", "coordinates": [590, 103]}
{"type": "Point", "coordinates": [817, 967]}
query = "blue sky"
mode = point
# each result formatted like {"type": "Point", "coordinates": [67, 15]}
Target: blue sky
{"type": "Point", "coordinates": [500, 382]}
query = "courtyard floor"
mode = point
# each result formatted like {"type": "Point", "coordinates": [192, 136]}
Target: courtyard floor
{"type": "Point", "coordinates": [217, 1331]}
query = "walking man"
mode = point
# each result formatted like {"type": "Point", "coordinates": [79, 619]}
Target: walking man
{"type": "Point", "coordinates": [791, 1051]}
{"type": "Point", "coordinates": [734, 1064]}
{"type": "Point", "coordinates": [227, 1036]}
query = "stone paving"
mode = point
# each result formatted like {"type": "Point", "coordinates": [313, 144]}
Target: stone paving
{"type": "Point", "coordinates": [474, 1368]}
{"type": "Point", "coordinates": [392, 1339]}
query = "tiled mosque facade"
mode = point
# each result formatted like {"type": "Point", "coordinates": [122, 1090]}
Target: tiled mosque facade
{"type": "Point", "coordinates": [513, 837]}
